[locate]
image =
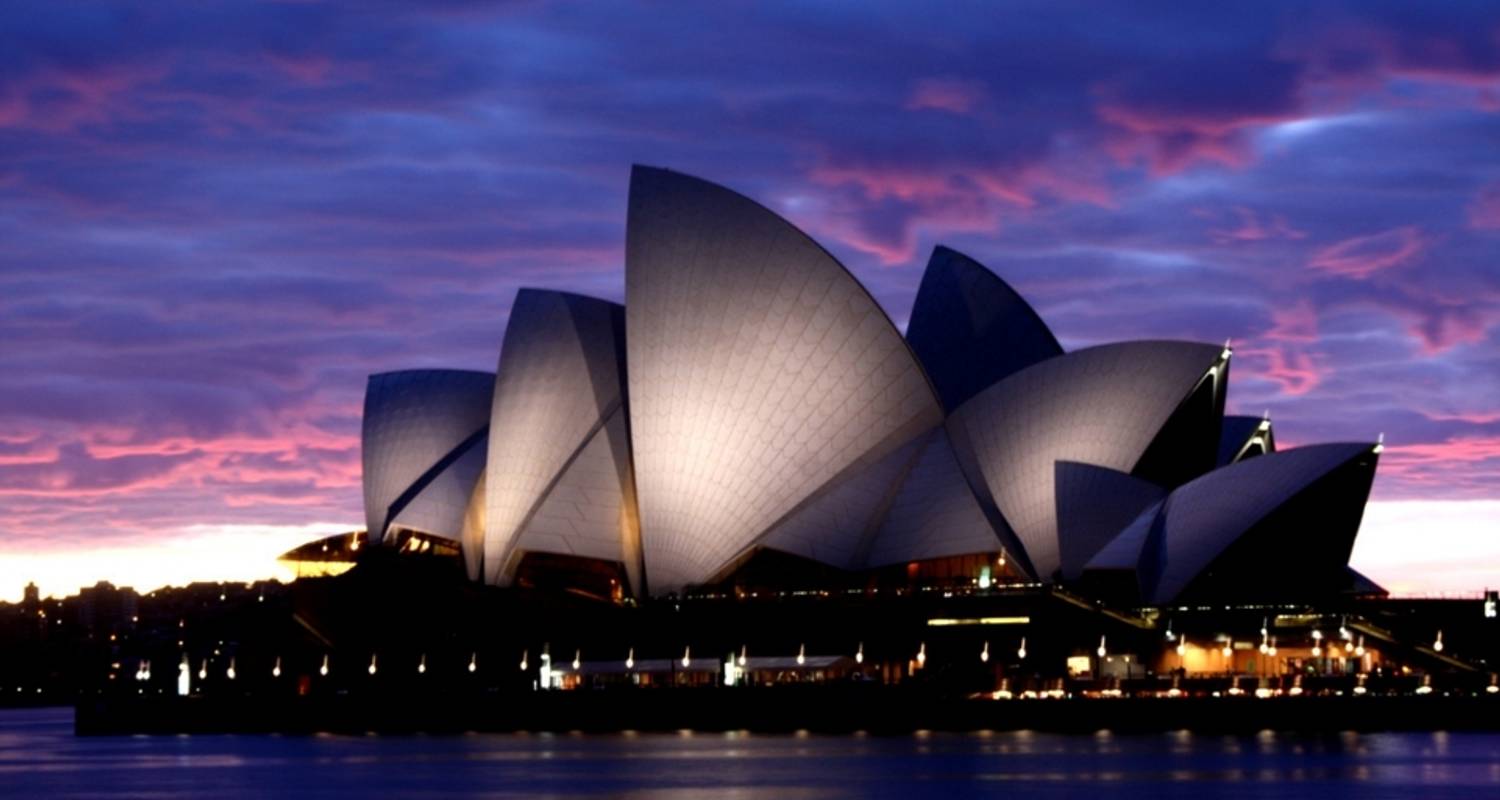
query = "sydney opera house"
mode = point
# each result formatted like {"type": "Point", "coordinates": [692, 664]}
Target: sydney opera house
{"type": "Point", "coordinates": [751, 417]}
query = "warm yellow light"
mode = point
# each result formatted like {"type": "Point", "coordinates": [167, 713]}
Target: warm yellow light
{"type": "Point", "coordinates": [687, 656]}
{"type": "Point", "coordinates": [1102, 651]}
{"type": "Point", "coordinates": [922, 655]}
{"type": "Point", "coordinates": [940, 622]}
{"type": "Point", "coordinates": [1021, 651]}
{"type": "Point", "coordinates": [276, 670]}
{"type": "Point", "coordinates": [323, 670]}
{"type": "Point", "coordinates": [422, 665]}
{"type": "Point", "coordinates": [630, 659]}
{"type": "Point", "coordinates": [984, 655]}
{"type": "Point", "coordinates": [577, 659]}
{"type": "Point", "coordinates": [372, 668]}
{"type": "Point", "coordinates": [801, 655]}
{"type": "Point", "coordinates": [229, 673]}
{"type": "Point", "coordinates": [859, 655]}
{"type": "Point", "coordinates": [1437, 645]}
{"type": "Point", "coordinates": [742, 656]}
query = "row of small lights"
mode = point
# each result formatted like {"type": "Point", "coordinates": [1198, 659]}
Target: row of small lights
{"type": "Point", "coordinates": [143, 672]}
{"type": "Point", "coordinates": [1268, 642]}
{"type": "Point", "coordinates": [1267, 647]}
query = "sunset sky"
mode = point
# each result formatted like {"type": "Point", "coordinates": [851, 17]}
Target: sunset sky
{"type": "Point", "coordinates": [216, 219]}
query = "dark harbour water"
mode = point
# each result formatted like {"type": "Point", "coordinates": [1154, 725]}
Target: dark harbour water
{"type": "Point", "coordinates": [40, 758]}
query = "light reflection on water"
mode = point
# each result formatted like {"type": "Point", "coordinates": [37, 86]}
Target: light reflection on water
{"type": "Point", "coordinates": [39, 757]}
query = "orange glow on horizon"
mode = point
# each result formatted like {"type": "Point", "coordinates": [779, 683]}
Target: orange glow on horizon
{"type": "Point", "coordinates": [228, 553]}
{"type": "Point", "coordinates": [1430, 547]}
{"type": "Point", "coordinates": [1458, 554]}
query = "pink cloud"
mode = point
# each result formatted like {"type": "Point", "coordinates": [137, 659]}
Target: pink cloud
{"type": "Point", "coordinates": [311, 69]}
{"type": "Point", "coordinates": [1453, 465]}
{"type": "Point", "coordinates": [1292, 369]}
{"type": "Point", "coordinates": [1472, 417]}
{"type": "Point", "coordinates": [1281, 354]}
{"type": "Point", "coordinates": [1253, 227]}
{"type": "Point", "coordinates": [1166, 155]}
{"type": "Point", "coordinates": [1458, 449]}
{"type": "Point", "coordinates": [56, 100]}
{"type": "Point", "coordinates": [1484, 211]}
{"type": "Point", "coordinates": [1170, 119]}
{"type": "Point", "coordinates": [945, 94]}
{"type": "Point", "coordinates": [1297, 322]}
{"type": "Point", "coordinates": [1360, 257]}
{"type": "Point", "coordinates": [947, 198]}
{"type": "Point", "coordinates": [1444, 328]}
{"type": "Point", "coordinates": [296, 434]}
{"type": "Point", "coordinates": [911, 184]}
{"type": "Point", "coordinates": [75, 472]}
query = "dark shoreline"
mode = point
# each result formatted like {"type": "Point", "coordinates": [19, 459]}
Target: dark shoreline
{"type": "Point", "coordinates": [878, 710]}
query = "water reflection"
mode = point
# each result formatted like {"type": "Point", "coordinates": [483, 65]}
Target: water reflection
{"type": "Point", "coordinates": [40, 757]}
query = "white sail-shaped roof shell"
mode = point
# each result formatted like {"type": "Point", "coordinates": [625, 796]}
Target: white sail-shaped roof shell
{"type": "Point", "coordinates": [440, 506]}
{"type": "Point", "coordinates": [835, 525]}
{"type": "Point", "coordinates": [1101, 406]}
{"type": "Point", "coordinates": [759, 369]}
{"type": "Point", "coordinates": [559, 381]}
{"type": "Point", "coordinates": [589, 512]}
{"type": "Point", "coordinates": [934, 514]}
{"type": "Point", "coordinates": [417, 424]}
{"type": "Point", "coordinates": [971, 329]}
{"type": "Point", "coordinates": [1204, 517]}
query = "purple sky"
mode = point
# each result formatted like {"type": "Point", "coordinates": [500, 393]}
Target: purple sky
{"type": "Point", "coordinates": [217, 218]}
